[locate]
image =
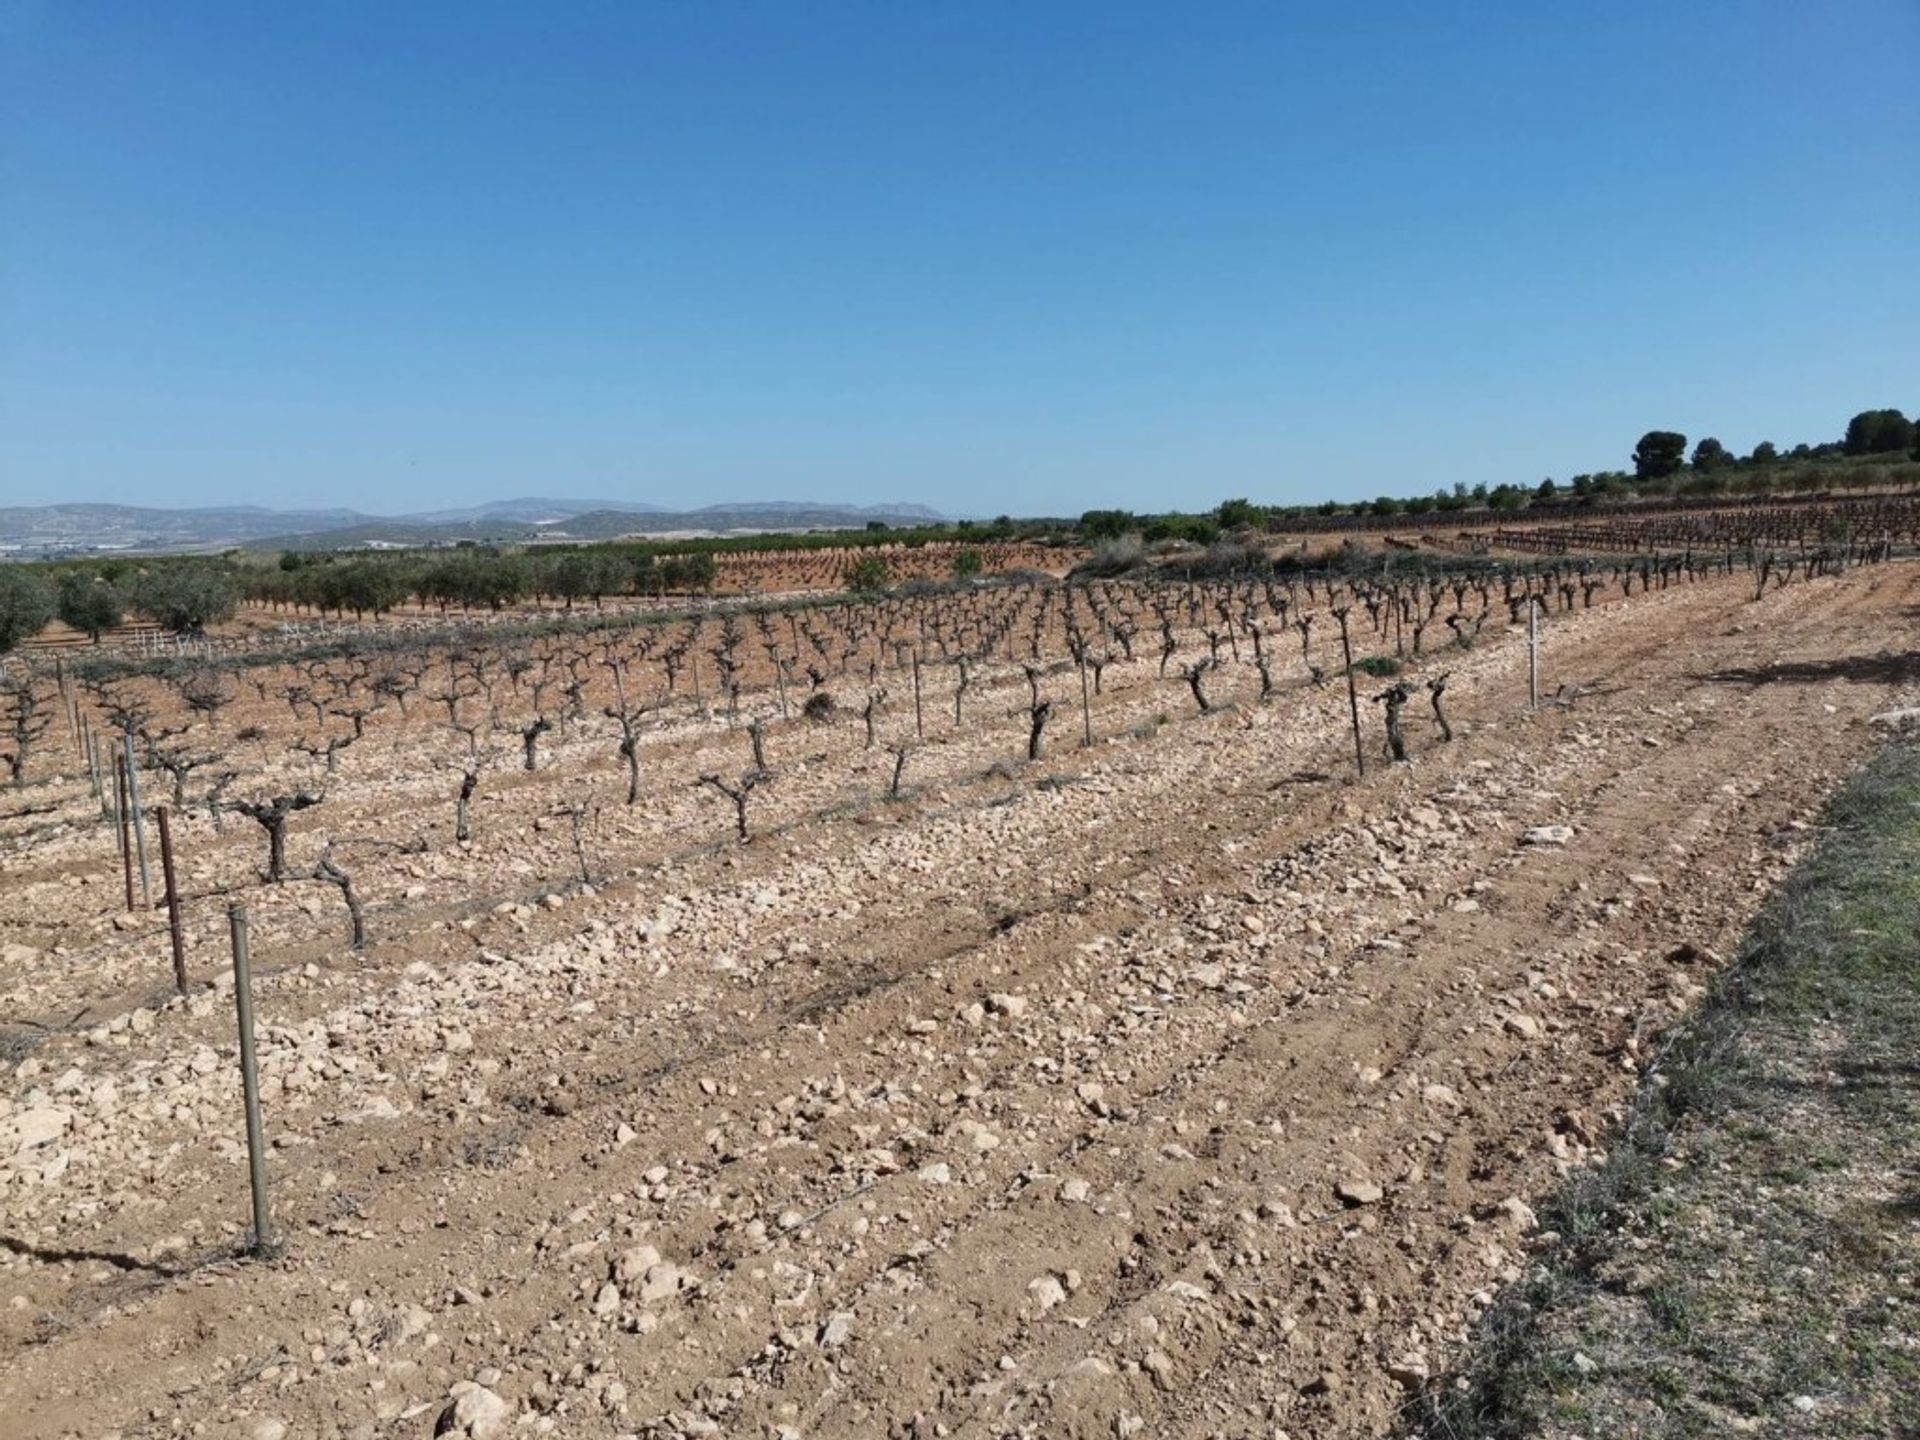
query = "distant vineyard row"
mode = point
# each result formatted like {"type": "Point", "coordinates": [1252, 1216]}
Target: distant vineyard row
{"type": "Point", "coordinates": [1865, 520]}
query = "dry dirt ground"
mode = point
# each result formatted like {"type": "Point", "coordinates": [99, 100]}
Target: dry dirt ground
{"type": "Point", "coordinates": [1179, 1085]}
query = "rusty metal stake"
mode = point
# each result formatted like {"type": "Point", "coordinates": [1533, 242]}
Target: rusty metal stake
{"type": "Point", "coordinates": [1353, 694]}
{"type": "Point", "coordinates": [919, 720]}
{"type": "Point", "coordinates": [1533, 653]}
{"type": "Point", "coordinates": [173, 902]}
{"type": "Point", "coordinates": [1086, 703]}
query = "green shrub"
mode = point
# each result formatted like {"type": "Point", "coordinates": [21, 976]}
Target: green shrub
{"type": "Point", "coordinates": [869, 575]}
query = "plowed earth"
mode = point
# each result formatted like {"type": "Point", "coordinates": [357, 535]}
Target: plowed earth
{"type": "Point", "coordinates": [1179, 1085]}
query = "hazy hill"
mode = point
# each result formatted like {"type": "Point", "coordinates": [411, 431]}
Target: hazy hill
{"type": "Point", "coordinates": [44, 529]}
{"type": "Point", "coordinates": [124, 527]}
{"type": "Point", "coordinates": [611, 524]}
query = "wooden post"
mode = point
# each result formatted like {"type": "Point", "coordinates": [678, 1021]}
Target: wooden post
{"type": "Point", "coordinates": [66, 698]}
{"type": "Point", "coordinates": [120, 823]}
{"type": "Point", "coordinates": [174, 928]}
{"type": "Point", "coordinates": [139, 823]}
{"type": "Point", "coordinates": [1353, 694]}
{"type": "Point", "coordinates": [250, 1082]}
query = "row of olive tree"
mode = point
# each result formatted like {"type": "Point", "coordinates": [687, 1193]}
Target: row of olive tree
{"type": "Point", "coordinates": [184, 597]}
{"type": "Point", "coordinates": [477, 579]}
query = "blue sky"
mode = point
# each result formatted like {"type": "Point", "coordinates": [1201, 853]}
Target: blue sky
{"type": "Point", "coordinates": [1024, 257]}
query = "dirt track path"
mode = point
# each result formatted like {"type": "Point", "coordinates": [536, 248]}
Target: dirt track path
{"type": "Point", "coordinates": [1104, 1201]}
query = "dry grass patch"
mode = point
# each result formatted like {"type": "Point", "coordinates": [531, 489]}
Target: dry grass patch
{"type": "Point", "coordinates": [1748, 1259]}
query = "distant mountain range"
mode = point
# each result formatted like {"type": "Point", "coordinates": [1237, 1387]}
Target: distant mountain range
{"type": "Point", "coordinates": [57, 529]}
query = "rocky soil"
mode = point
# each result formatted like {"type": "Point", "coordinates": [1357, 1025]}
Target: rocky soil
{"type": "Point", "coordinates": [1180, 1084]}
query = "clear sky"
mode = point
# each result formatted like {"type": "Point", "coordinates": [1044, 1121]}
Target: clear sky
{"type": "Point", "coordinates": [1031, 257]}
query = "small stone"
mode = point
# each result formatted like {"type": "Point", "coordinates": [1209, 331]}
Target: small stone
{"type": "Point", "coordinates": [978, 1135]}
{"type": "Point", "coordinates": [412, 1320]}
{"type": "Point", "coordinates": [633, 1265]}
{"type": "Point", "coordinates": [661, 1282]}
{"type": "Point", "coordinates": [1548, 835]}
{"type": "Point", "coordinates": [30, 1128]}
{"type": "Point", "coordinates": [1279, 1212]}
{"type": "Point", "coordinates": [478, 1411]}
{"type": "Point", "coordinates": [1409, 1374]}
{"type": "Point", "coordinates": [1358, 1190]}
{"type": "Point", "coordinates": [1047, 1292]}
{"type": "Point", "coordinates": [836, 1331]}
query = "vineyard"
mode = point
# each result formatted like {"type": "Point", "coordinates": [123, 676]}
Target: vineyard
{"type": "Point", "coordinates": [1849, 525]}
{"type": "Point", "coordinates": [599, 576]}
{"type": "Point", "coordinates": [1128, 1006]}
{"type": "Point", "coordinates": [774, 572]}
{"type": "Point", "coordinates": [343, 596]}
{"type": "Point", "coordinates": [1845, 524]}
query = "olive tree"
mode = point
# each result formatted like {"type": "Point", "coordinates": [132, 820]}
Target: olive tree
{"type": "Point", "coordinates": [26, 605]}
